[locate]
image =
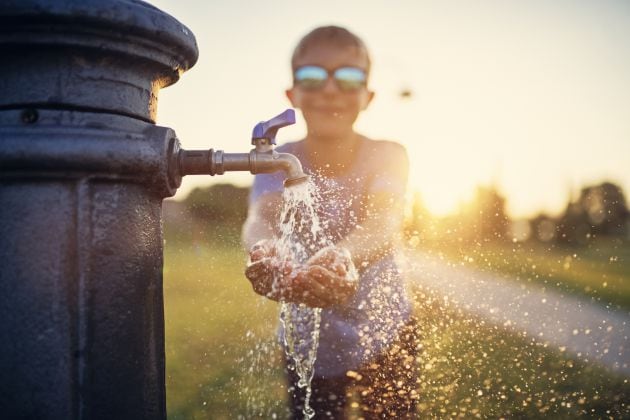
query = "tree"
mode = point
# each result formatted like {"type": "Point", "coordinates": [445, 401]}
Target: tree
{"type": "Point", "coordinates": [219, 203]}
{"type": "Point", "coordinates": [418, 222]}
{"type": "Point", "coordinates": [488, 216]}
{"type": "Point", "coordinates": [213, 214]}
{"type": "Point", "coordinates": [606, 209]}
{"type": "Point", "coordinates": [600, 210]}
{"type": "Point", "coordinates": [544, 228]}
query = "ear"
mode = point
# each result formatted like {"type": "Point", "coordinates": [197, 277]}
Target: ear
{"type": "Point", "coordinates": [367, 99]}
{"type": "Point", "coordinates": [291, 95]}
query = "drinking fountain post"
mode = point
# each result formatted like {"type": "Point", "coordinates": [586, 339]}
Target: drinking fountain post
{"type": "Point", "coordinates": [83, 172]}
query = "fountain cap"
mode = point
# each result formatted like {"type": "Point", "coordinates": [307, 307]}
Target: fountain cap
{"type": "Point", "coordinates": [106, 56]}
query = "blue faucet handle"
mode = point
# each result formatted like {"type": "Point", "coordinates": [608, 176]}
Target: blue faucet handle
{"type": "Point", "coordinates": [269, 129]}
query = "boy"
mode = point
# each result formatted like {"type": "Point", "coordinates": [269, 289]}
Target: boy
{"type": "Point", "coordinates": [366, 335]}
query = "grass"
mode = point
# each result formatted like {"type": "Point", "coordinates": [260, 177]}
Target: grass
{"type": "Point", "coordinates": [222, 360]}
{"type": "Point", "coordinates": [599, 271]}
{"type": "Point", "coordinates": [473, 370]}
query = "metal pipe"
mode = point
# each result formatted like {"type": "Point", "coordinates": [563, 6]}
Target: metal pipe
{"type": "Point", "coordinates": [211, 162]}
{"type": "Point", "coordinates": [261, 159]}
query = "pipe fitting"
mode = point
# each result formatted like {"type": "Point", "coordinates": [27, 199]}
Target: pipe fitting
{"type": "Point", "coordinates": [211, 162]}
{"type": "Point", "coordinates": [261, 159]}
{"type": "Point", "coordinates": [268, 162]}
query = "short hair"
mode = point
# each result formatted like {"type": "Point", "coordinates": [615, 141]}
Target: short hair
{"type": "Point", "coordinates": [331, 35]}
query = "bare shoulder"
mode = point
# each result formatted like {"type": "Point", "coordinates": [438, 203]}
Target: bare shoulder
{"type": "Point", "coordinates": [386, 149]}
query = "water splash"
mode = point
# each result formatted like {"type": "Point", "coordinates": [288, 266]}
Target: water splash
{"type": "Point", "coordinates": [301, 339]}
{"type": "Point", "coordinates": [301, 236]}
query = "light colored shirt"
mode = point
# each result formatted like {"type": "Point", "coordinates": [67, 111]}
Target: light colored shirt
{"type": "Point", "coordinates": [358, 330]}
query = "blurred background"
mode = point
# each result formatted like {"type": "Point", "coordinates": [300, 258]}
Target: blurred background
{"type": "Point", "coordinates": [515, 117]}
{"type": "Point", "coordinates": [529, 96]}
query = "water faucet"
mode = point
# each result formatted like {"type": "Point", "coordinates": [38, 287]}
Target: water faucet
{"type": "Point", "coordinates": [261, 159]}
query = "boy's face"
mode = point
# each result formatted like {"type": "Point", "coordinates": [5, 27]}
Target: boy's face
{"type": "Point", "coordinates": [330, 112]}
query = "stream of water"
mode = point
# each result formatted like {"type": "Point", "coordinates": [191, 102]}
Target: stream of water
{"type": "Point", "coordinates": [301, 236]}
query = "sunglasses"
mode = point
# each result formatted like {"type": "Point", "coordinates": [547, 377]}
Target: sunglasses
{"type": "Point", "coordinates": [348, 79]}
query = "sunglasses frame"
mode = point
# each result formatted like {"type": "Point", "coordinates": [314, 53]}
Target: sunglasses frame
{"type": "Point", "coordinates": [331, 74]}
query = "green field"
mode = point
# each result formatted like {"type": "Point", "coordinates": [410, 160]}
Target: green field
{"type": "Point", "coordinates": [599, 271]}
{"type": "Point", "coordinates": [221, 357]}
{"type": "Point", "coordinates": [223, 360]}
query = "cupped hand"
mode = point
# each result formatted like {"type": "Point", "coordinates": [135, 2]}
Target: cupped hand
{"type": "Point", "coordinates": [263, 267]}
{"type": "Point", "coordinates": [328, 278]}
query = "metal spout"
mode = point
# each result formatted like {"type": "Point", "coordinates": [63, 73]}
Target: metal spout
{"type": "Point", "coordinates": [211, 162]}
{"type": "Point", "coordinates": [271, 161]}
{"type": "Point", "coordinates": [261, 159]}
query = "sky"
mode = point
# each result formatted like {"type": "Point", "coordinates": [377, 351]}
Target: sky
{"type": "Point", "coordinates": [532, 97]}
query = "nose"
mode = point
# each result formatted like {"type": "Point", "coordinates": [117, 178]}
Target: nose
{"type": "Point", "coordinates": [330, 87]}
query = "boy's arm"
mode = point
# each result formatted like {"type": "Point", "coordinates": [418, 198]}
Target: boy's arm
{"type": "Point", "coordinates": [312, 286]}
{"type": "Point", "coordinates": [324, 282]}
{"type": "Point", "coordinates": [262, 216]}
{"type": "Point", "coordinates": [379, 232]}
{"type": "Point", "coordinates": [258, 238]}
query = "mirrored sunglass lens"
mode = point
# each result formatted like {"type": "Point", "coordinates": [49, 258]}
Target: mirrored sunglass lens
{"type": "Point", "coordinates": [310, 77]}
{"type": "Point", "coordinates": [350, 78]}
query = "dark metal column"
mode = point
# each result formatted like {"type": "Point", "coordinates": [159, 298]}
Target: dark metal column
{"type": "Point", "coordinates": [83, 171]}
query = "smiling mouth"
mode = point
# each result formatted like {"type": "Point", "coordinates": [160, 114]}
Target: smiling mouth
{"type": "Point", "coordinates": [334, 112]}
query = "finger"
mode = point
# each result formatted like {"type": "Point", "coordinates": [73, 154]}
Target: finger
{"type": "Point", "coordinates": [308, 289]}
{"type": "Point", "coordinates": [324, 256]}
{"type": "Point", "coordinates": [264, 247]}
{"type": "Point", "coordinates": [260, 276]}
{"type": "Point", "coordinates": [329, 279]}
{"type": "Point", "coordinates": [264, 264]}
{"type": "Point", "coordinates": [310, 294]}
{"type": "Point", "coordinates": [254, 272]}
{"type": "Point", "coordinates": [292, 285]}
{"type": "Point", "coordinates": [287, 267]}
{"type": "Point", "coordinates": [336, 259]}
{"type": "Point", "coordinates": [339, 269]}
{"type": "Point", "coordinates": [319, 293]}
{"type": "Point", "coordinates": [257, 254]}
{"type": "Point", "coordinates": [261, 287]}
